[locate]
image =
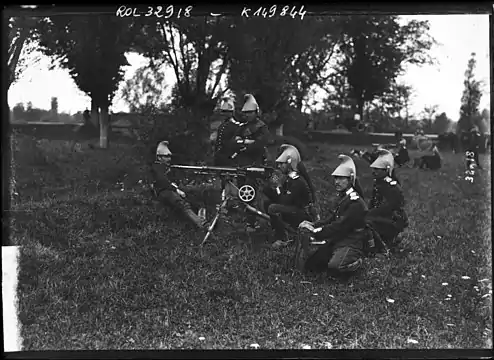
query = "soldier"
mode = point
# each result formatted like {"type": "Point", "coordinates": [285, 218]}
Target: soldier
{"type": "Point", "coordinates": [168, 191]}
{"type": "Point", "coordinates": [345, 233]}
{"type": "Point", "coordinates": [225, 144]}
{"type": "Point", "coordinates": [402, 156]}
{"type": "Point", "coordinates": [253, 137]}
{"type": "Point", "coordinates": [386, 214]}
{"type": "Point", "coordinates": [251, 142]}
{"type": "Point", "coordinates": [302, 170]}
{"type": "Point", "coordinates": [289, 198]}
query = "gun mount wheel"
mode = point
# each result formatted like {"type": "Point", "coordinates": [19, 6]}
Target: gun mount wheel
{"type": "Point", "coordinates": [246, 193]}
{"type": "Point", "coordinates": [360, 127]}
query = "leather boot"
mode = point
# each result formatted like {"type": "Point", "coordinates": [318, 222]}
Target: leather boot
{"type": "Point", "coordinates": [192, 216]}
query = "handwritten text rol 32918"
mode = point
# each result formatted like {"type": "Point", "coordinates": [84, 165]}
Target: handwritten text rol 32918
{"type": "Point", "coordinates": [274, 10]}
{"type": "Point", "coordinates": [157, 11]}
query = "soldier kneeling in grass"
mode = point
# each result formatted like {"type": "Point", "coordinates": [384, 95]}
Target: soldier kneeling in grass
{"type": "Point", "coordinates": [344, 235]}
{"type": "Point", "coordinates": [289, 198]}
{"type": "Point", "coordinates": [386, 214]}
{"type": "Point", "coordinates": [168, 191]}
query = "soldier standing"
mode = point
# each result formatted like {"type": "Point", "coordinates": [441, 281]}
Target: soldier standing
{"type": "Point", "coordinates": [225, 144]}
{"type": "Point", "coordinates": [345, 232]}
{"type": "Point", "coordinates": [386, 214]}
{"type": "Point", "coordinates": [168, 191]}
{"type": "Point", "coordinates": [288, 199]}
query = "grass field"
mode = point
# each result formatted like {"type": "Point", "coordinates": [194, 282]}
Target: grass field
{"type": "Point", "coordinates": [105, 267]}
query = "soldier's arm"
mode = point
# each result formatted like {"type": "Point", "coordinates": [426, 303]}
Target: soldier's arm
{"type": "Point", "coordinates": [303, 171]}
{"type": "Point", "coordinates": [342, 225]}
{"type": "Point", "coordinates": [394, 200]}
{"type": "Point", "coordinates": [162, 180]}
{"type": "Point", "coordinates": [261, 140]}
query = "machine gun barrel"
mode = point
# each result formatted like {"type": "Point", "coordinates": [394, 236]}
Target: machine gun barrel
{"type": "Point", "coordinates": [263, 171]}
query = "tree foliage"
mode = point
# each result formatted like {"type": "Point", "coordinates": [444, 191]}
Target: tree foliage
{"type": "Point", "coordinates": [92, 48]}
{"type": "Point", "coordinates": [145, 89]}
{"type": "Point", "coordinates": [374, 51]}
{"type": "Point", "coordinates": [196, 50]}
{"type": "Point", "coordinates": [21, 36]}
{"type": "Point", "coordinates": [441, 124]}
{"type": "Point", "coordinates": [470, 100]}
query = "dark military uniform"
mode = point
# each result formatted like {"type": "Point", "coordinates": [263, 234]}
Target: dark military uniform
{"type": "Point", "coordinates": [346, 237]}
{"type": "Point", "coordinates": [226, 145]}
{"type": "Point", "coordinates": [166, 190]}
{"type": "Point", "coordinates": [252, 154]}
{"type": "Point", "coordinates": [287, 203]}
{"type": "Point", "coordinates": [402, 157]}
{"type": "Point", "coordinates": [386, 214]}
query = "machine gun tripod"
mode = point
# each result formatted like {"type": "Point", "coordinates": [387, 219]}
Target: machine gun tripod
{"type": "Point", "coordinates": [246, 193]}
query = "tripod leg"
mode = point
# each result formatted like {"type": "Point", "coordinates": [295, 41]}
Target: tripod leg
{"type": "Point", "coordinates": [215, 220]}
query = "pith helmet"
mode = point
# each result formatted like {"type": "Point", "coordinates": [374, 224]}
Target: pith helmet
{"type": "Point", "coordinates": [227, 104]}
{"type": "Point", "coordinates": [385, 160]}
{"type": "Point", "coordinates": [163, 149]}
{"type": "Point", "coordinates": [250, 103]}
{"type": "Point", "coordinates": [356, 117]}
{"type": "Point", "coordinates": [290, 154]}
{"type": "Point", "coordinates": [346, 168]}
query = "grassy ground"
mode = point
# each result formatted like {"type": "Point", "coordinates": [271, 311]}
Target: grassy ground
{"type": "Point", "coordinates": [106, 268]}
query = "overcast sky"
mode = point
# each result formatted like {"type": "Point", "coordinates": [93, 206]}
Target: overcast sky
{"type": "Point", "coordinates": [441, 84]}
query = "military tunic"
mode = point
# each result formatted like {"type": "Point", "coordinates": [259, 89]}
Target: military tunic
{"type": "Point", "coordinates": [345, 234]}
{"type": "Point", "coordinates": [255, 153]}
{"type": "Point", "coordinates": [226, 145]}
{"type": "Point", "coordinates": [386, 213]}
{"type": "Point", "coordinates": [287, 203]}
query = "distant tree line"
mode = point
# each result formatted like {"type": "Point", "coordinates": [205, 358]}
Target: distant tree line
{"type": "Point", "coordinates": [355, 59]}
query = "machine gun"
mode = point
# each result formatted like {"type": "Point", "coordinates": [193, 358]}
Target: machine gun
{"type": "Point", "coordinates": [255, 172]}
{"type": "Point", "coordinates": [246, 193]}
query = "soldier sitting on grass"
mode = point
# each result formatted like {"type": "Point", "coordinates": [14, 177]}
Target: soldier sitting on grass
{"type": "Point", "coordinates": [386, 214]}
{"type": "Point", "coordinates": [344, 233]}
{"type": "Point", "coordinates": [168, 191]}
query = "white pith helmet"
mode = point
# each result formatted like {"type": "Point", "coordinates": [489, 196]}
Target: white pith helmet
{"type": "Point", "coordinates": [227, 104]}
{"type": "Point", "coordinates": [250, 103]}
{"type": "Point", "coordinates": [346, 168]}
{"type": "Point", "coordinates": [385, 160]}
{"type": "Point", "coordinates": [289, 155]}
{"type": "Point", "coordinates": [163, 149]}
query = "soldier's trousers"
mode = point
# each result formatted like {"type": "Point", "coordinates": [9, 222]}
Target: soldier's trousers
{"type": "Point", "coordinates": [186, 207]}
{"type": "Point", "coordinates": [280, 214]}
{"type": "Point", "coordinates": [387, 228]}
{"type": "Point", "coordinates": [337, 261]}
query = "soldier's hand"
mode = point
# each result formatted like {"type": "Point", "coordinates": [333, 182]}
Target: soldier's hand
{"type": "Point", "coordinates": [306, 225]}
{"type": "Point", "coordinates": [181, 193]}
{"type": "Point", "coordinates": [248, 141]}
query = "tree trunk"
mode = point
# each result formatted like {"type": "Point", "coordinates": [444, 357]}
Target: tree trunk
{"type": "Point", "coordinates": [15, 52]}
{"type": "Point", "coordinates": [103, 128]}
{"type": "Point", "coordinates": [94, 114]}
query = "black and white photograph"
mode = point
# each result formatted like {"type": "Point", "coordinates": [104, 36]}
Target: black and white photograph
{"type": "Point", "coordinates": [275, 177]}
